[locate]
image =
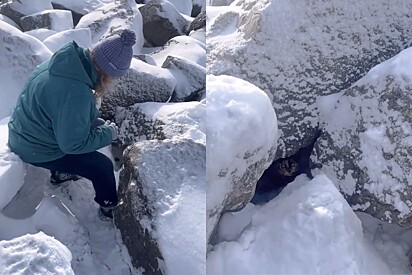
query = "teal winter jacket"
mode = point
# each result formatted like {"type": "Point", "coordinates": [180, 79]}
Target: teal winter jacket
{"type": "Point", "coordinates": [55, 111]}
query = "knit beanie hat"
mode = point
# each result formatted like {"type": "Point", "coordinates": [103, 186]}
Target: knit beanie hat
{"type": "Point", "coordinates": [114, 54]}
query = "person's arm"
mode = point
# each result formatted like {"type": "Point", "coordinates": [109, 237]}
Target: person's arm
{"type": "Point", "coordinates": [72, 127]}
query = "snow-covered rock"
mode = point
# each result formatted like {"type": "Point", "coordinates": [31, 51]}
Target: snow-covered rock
{"type": "Point", "coordinates": [16, 9]}
{"type": "Point", "coordinates": [162, 217]}
{"type": "Point", "coordinates": [82, 7]}
{"type": "Point", "coordinates": [22, 53]}
{"type": "Point", "coordinates": [241, 135]}
{"type": "Point", "coordinates": [147, 121]}
{"type": "Point", "coordinates": [182, 47]}
{"type": "Point", "coordinates": [110, 19]}
{"type": "Point", "coordinates": [161, 22]}
{"type": "Point", "coordinates": [12, 168]}
{"type": "Point", "coordinates": [297, 51]}
{"type": "Point", "coordinates": [308, 229]}
{"type": "Point", "coordinates": [199, 35]}
{"type": "Point", "coordinates": [182, 6]}
{"type": "Point", "coordinates": [82, 37]}
{"type": "Point", "coordinates": [41, 34]}
{"type": "Point", "coordinates": [198, 23]}
{"type": "Point", "coordinates": [366, 144]}
{"type": "Point", "coordinates": [220, 2]}
{"type": "Point", "coordinates": [190, 79]}
{"type": "Point", "coordinates": [9, 21]}
{"type": "Point", "coordinates": [143, 83]}
{"type": "Point", "coordinates": [35, 254]}
{"type": "Point", "coordinates": [56, 20]}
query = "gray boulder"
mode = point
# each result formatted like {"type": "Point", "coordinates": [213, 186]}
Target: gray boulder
{"type": "Point", "coordinates": [16, 9]}
{"type": "Point", "coordinates": [191, 84]}
{"type": "Point", "coordinates": [161, 22]}
{"type": "Point", "coordinates": [56, 20]}
{"type": "Point", "coordinates": [297, 51]}
{"type": "Point", "coordinates": [162, 187]}
{"type": "Point", "coordinates": [143, 83]}
{"type": "Point", "coordinates": [366, 144]}
{"type": "Point", "coordinates": [197, 7]}
{"type": "Point", "coordinates": [220, 2]}
{"type": "Point", "coordinates": [9, 21]}
{"type": "Point", "coordinates": [198, 23]}
{"type": "Point", "coordinates": [147, 121]}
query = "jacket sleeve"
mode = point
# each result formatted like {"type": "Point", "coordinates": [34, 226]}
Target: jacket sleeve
{"type": "Point", "coordinates": [72, 127]}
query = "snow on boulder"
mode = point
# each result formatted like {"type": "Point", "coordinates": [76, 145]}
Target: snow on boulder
{"type": "Point", "coordinates": [161, 22]}
{"type": "Point", "coordinates": [110, 19]}
{"type": "Point", "coordinates": [82, 37]}
{"type": "Point", "coordinates": [12, 168]}
{"type": "Point", "coordinates": [366, 144]}
{"type": "Point", "coordinates": [162, 217]}
{"type": "Point", "coordinates": [199, 35]}
{"type": "Point", "coordinates": [142, 83]}
{"type": "Point", "coordinates": [21, 52]}
{"type": "Point", "coordinates": [190, 79]}
{"type": "Point", "coordinates": [56, 20]}
{"type": "Point", "coordinates": [41, 34]}
{"type": "Point", "coordinates": [9, 21]}
{"type": "Point", "coordinates": [241, 135]}
{"type": "Point", "coordinates": [308, 229]}
{"type": "Point", "coordinates": [297, 51]}
{"type": "Point", "coordinates": [147, 121]}
{"type": "Point", "coordinates": [16, 9]}
{"type": "Point", "coordinates": [35, 254]}
{"type": "Point", "coordinates": [182, 47]}
{"type": "Point", "coordinates": [182, 6]}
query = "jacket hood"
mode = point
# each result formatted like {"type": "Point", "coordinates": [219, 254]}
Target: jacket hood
{"type": "Point", "coordinates": [66, 62]}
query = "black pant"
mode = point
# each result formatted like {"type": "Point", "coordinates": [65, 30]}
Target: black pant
{"type": "Point", "coordinates": [94, 166]}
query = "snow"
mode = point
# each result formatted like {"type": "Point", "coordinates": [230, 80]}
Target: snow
{"type": "Point", "coordinates": [26, 7]}
{"type": "Point", "coordinates": [60, 20]}
{"type": "Point", "coordinates": [235, 112]}
{"type": "Point", "coordinates": [42, 255]}
{"type": "Point", "coordinates": [41, 34]}
{"type": "Point", "coordinates": [183, 47]}
{"type": "Point", "coordinates": [82, 36]}
{"type": "Point", "coordinates": [311, 230]}
{"type": "Point", "coordinates": [21, 52]}
{"type": "Point", "coordinates": [9, 21]}
{"type": "Point", "coordinates": [12, 168]}
{"type": "Point", "coordinates": [82, 7]}
{"type": "Point", "coordinates": [183, 6]}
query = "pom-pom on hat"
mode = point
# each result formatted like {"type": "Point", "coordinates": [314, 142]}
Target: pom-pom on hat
{"type": "Point", "coordinates": [114, 54]}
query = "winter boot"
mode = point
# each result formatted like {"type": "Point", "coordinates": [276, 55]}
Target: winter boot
{"type": "Point", "coordinates": [59, 177]}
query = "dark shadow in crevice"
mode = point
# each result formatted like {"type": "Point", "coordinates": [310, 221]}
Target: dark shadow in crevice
{"type": "Point", "coordinates": [281, 172]}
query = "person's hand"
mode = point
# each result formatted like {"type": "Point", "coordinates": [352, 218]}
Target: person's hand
{"type": "Point", "coordinates": [114, 129]}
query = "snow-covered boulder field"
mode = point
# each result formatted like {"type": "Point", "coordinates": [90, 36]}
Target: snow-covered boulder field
{"type": "Point", "coordinates": [172, 72]}
{"type": "Point", "coordinates": [366, 144]}
{"type": "Point", "coordinates": [297, 51]}
{"type": "Point", "coordinates": [241, 143]}
{"type": "Point", "coordinates": [308, 229]}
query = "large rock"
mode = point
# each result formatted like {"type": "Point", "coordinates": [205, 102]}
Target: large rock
{"type": "Point", "coordinates": [16, 9]}
{"type": "Point", "coordinates": [81, 36]}
{"type": "Point", "coordinates": [198, 23]}
{"type": "Point", "coordinates": [56, 20]}
{"type": "Point", "coordinates": [111, 18]}
{"type": "Point", "coordinates": [143, 83]}
{"type": "Point", "coordinates": [220, 2]}
{"type": "Point", "coordinates": [297, 51]}
{"type": "Point", "coordinates": [366, 144]}
{"type": "Point", "coordinates": [9, 21]}
{"type": "Point", "coordinates": [147, 121]}
{"type": "Point", "coordinates": [198, 7]}
{"type": "Point", "coordinates": [162, 187]}
{"type": "Point", "coordinates": [191, 79]}
{"type": "Point", "coordinates": [241, 143]}
{"type": "Point", "coordinates": [23, 53]}
{"type": "Point", "coordinates": [161, 22]}
{"type": "Point", "coordinates": [182, 47]}
{"type": "Point", "coordinates": [76, 16]}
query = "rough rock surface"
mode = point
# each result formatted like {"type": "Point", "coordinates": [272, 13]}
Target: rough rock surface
{"type": "Point", "coordinates": [297, 51]}
{"type": "Point", "coordinates": [366, 144]}
{"type": "Point", "coordinates": [56, 20]}
{"type": "Point", "coordinates": [198, 23]}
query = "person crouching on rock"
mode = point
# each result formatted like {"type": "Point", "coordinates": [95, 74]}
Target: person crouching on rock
{"type": "Point", "coordinates": [56, 125]}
